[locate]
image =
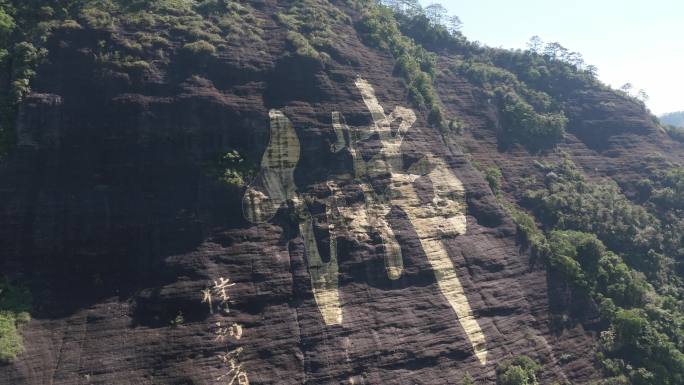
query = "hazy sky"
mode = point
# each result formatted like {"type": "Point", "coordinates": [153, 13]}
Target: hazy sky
{"type": "Point", "coordinates": [635, 41]}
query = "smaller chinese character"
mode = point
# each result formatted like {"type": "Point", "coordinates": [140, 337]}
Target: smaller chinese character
{"type": "Point", "coordinates": [206, 298]}
{"type": "Point", "coordinates": [234, 330]}
{"type": "Point", "coordinates": [235, 353]}
{"type": "Point", "coordinates": [242, 378]}
{"type": "Point", "coordinates": [220, 288]}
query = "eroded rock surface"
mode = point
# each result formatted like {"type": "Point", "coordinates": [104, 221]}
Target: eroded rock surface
{"type": "Point", "coordinates": [365, 250]}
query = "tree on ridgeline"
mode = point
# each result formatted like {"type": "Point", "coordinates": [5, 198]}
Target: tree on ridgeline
{"type": "Point", "coordinates": [555, 51]}
{"type": "Point", "coordinates": [576, 59]}
{"type": "Point", "coordinates": [642, 95]}
{"type": "Point", "coordinates": [592, 70]}
{"type": "Point", "coordinates": [436, 13]}
{"type": "Point", "coordinates": [626, 88]}
{"type": "Point", "coordinates": [409, 7]}
{"type": "Point", "coordinates": [535, 44]}
{"type": "Point", "coordinates": [454, 25]}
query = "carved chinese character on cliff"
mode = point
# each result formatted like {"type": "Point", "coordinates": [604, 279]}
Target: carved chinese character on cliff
{"type": "Point", "coordinates": [219, 290]}
{"type": "Point", "coordinates": [224, 331]}
{"type": "Point", "coordinates": [434, 220]}
{"type": "Point", "coordinates": [235, 373]}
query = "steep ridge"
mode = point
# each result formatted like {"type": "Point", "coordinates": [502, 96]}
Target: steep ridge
{"type": "Point", "coordinates": [146, 269]}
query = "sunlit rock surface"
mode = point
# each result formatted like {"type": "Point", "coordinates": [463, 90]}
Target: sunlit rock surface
{"type": "Point", "coordinates": [365, 248]}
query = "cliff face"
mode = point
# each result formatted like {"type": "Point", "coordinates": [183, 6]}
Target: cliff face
{"type": "Point", "coordinates": [364, 249]}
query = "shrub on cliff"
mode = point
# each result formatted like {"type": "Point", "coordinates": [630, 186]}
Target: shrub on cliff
{"type": "Point", "coordinates": [669, 193]}
{"type": "Point", "coordinates": [529, 234]}
{"type": "Point", "coordinates": [521, 371]}
{"type": "Point", "coordinates": [6, 27]}
{"type": "Point", "coordinates": [200, 48]}
{"type": "Point", "coordinates": [303, 48]}
{"type": "Point", "coordinates": [15, 302]}
{"type": "Point", "coordinates": [570, 202]}
{"type": "Point", "coordinates": [231, 169]}
{"type": "Point", "coordinates": [527, 116]}
{"type": "Point", "coordinates": [413, 63]}
{"type": "Point", "coordinates": [639, 343]}
{"type": "Point", "coordinates": [11, 343]}
{"type": "Point", "coordinates": [493, 177]}
{"type": "Point", "coordinates": [643, 344]}
{"type": "Point", "coordinates": [586, 262]}
{"type": "Point", "coordinates": [310, 25]}
{"type": "Point", "coordinates": [521, 122]}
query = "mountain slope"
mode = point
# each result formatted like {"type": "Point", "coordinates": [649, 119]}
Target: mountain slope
{"type": "Point", "coordinates": [334, 171]}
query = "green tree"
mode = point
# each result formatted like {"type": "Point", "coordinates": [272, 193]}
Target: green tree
{"type": "Point", "coordinates": [6, 27]}
{"type": "Point", "coordinates": [535, 44]}
{"type": "Point", "coordinates": [454, 25]}
{"type": "Point", "coordinates": [15, 302]}
{"type": "Point", "coordinates": [436, 13]}
{"type": "Point", "coordinates": [493, 177]}
{"type": "Point", "coordinates": [521, 371]}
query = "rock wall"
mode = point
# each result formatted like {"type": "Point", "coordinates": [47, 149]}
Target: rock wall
{"type": "Point", "coordinates": [366, 249]}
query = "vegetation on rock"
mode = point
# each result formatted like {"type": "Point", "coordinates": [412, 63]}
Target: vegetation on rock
{"type": "Point", "coordinates": [201, 27]}
{"type": "Point", "coordinates": [310, 28]}
{"type": "Point", "coordinates": [619, 255]}
{"type": "Point", "coordinates": [231, 169]}
{"type": "Point", "coordinates": [521, 370]}
{"type": "Point", "coordinates": [413, 63]}
{"type": "Point", "coordinates": [623, 254]}
{"type": "Point", "coordinates": [493, 177]}
{"type": "Point", "coordinates": [15, 304]}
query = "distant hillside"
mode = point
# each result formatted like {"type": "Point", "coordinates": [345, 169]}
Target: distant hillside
{"type": "Point", "coordinates": [673, 118]}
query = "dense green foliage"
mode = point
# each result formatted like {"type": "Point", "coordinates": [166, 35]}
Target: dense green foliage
{"type": "Point", "coordinates": [527, 116]}
{"type": "Point", "coordinates": [15, 303]}
{"type": "Point", "coordinates": [24, 27]}
{"type": "Point", "coordinates": [589, 265]}
{"type": "Point", "coordinates": [493, 177]}
{"type": "Point", "coordinates": [521, 370]}
{"type": "Point", "coordinates": [203, 27]}
{"type": "Point", "coordinates": [570, 202]}
{"type": "Point", "coordinates": [643, 344]}
{"type": "Point", "coordinates": [629, 277]}
{"type": "Point", "coordinates": [231, 169]}
{"type": "Point", "coordinates": [523, 123]}
{"type": "Point", "coordinates": [551, 69]}
{"type": "Point", "coordinates": [663, 195]}
{"type": "Point", "coordinates": [413, 63]}
{"type": "Point", "coordinates": [528, 86]}
{"type": "Point", "coordinates": [530, 235]}
{"type": "Point", "coordinates": [622, 256]}
{"type": "Point", "coordinates": [668, 190]}
{"type": "Point", "coordinates": [310, 28]}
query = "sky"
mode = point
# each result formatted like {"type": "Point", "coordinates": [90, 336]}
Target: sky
{"type": "Point", "coordinates": [635, 41]}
